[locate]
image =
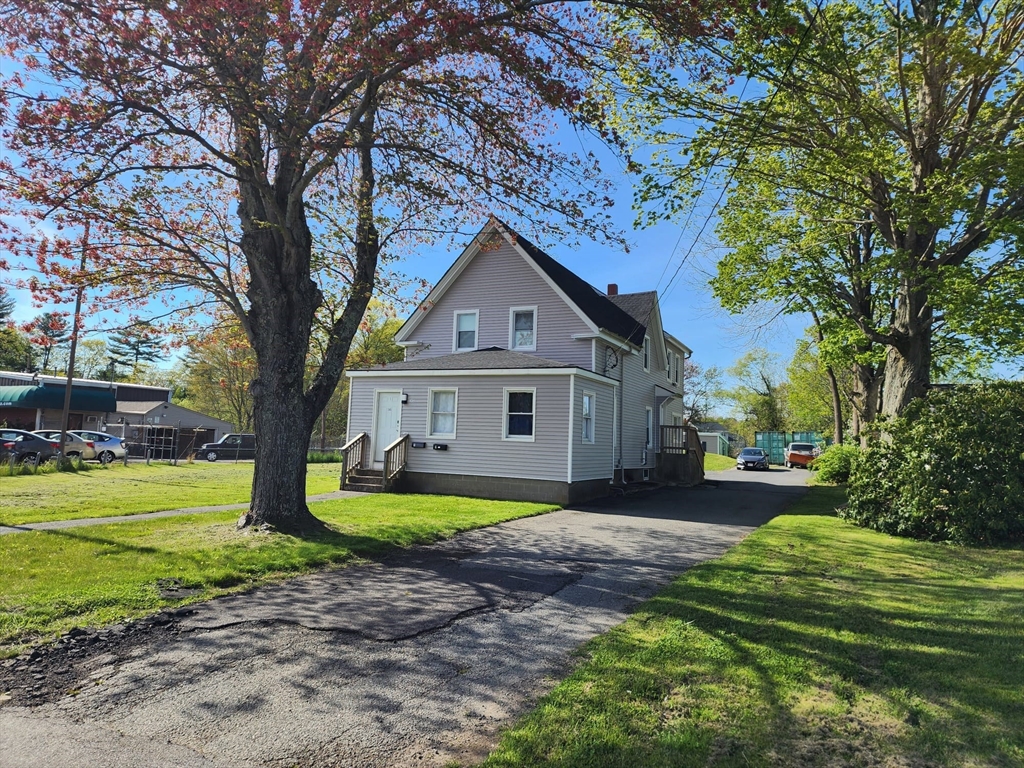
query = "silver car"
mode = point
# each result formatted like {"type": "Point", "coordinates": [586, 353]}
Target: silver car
{"type": "Point", "coordinates": [75, 447]}
{"type": "Point", "coordinates": [108, 447]}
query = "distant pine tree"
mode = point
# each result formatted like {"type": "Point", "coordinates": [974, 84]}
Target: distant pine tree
{"type": "Point", "coordinates": [6, 304]}
{"type": "Point", "coordinates": [139, 343]}
{"type": "Point", "coordinates": [48, 331]}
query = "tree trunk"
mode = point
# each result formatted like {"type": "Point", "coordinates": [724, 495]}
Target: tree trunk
{"type": "Point", "coordinates": [909, 361]}
{"type": "Point", "coordinates": [837, 406]}
{"type": "Point", "coordinates": [866, 399]}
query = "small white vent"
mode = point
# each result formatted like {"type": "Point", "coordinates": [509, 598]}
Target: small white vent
{"type": "Point", "coordinates": [91, 418]}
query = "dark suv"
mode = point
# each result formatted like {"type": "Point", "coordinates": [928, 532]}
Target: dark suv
{"type": "Point", "coordinates": [229, 447]}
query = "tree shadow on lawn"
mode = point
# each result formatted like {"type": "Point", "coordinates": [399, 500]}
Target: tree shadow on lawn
{"type": "Point", "coordinates": [812, 663]}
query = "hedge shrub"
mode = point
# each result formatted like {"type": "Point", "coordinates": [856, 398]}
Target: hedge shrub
{"type": "Point", "coordinates": [950, 468]}
{"type": "Point", "coordinates": [836, 463]}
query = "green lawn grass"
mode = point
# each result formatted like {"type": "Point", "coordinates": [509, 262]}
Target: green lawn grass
{"type": "Point", "coordinates": [714, 461]}
{"type": "Point", "coordinates": [51, 581]}
{"type": "Point", "coordinates": [812, 643]}
{"type": "Point", "coordinates": [121, 490]}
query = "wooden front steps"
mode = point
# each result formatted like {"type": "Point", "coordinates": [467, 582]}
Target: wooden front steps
{"type": "Point", "coordinates": [365, 480]}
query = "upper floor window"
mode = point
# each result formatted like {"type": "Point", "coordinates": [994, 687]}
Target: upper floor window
{"type": "Point", "coordinates": [519, 413]}
{"type": "Point", "coordinates": [465, 330]}
{"type": "Point", "coordinates": [588, 417]}
{"type": "Point", "coordinates": [668, 370]}
{"type": "Point", "coordinates": [647, 353]}
{"type": "Point", "coordinates": [442, 412]}
{"type": "Point", "coordinates": [523, 328]}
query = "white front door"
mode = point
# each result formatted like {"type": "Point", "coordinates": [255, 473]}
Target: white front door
{"type": "Point", "coordinates": [389, 423]}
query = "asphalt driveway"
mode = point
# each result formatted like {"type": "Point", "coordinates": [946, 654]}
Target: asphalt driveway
{"type": "Point", "coordinates": [413, 661]}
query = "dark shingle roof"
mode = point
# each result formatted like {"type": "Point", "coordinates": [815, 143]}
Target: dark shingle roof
{"type": "Point", "coordinates": [594, 304]}
{"type": "Point", "coordinates": [480, 360]}
{"type": "Point", "coordinates": [639, 306]}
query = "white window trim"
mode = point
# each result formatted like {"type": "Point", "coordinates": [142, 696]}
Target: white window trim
{"type": "Point", "coordinates": [512, 328]}
{"type": "Point", "coordinates": [455, 330]}
{"type": "Point", "coordinates": [649, 426]}
{"type": "Point", "coordinates": [593, 418]}
{"type": "Point", "coordinates": [647, 354]}
{"type": "Point", "coordinates": [504, 416]}
{"type": "Point", "coordinates": [430, 413]}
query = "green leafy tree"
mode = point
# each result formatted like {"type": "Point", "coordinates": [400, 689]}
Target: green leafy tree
{"type": "Point", "coordinates": [701, 385]}
{"type": "Point", "coordinates": [905, 118]}
{"type": "Point", "coordinates": [760, 392]}
{"type": "Point", "coordinates": [92, 359]}
{"type": "Point", "coordinates": [811, 404]}
{"type": "Point", "coordinates": [15, 350]}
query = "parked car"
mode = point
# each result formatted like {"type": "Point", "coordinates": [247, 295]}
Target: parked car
{"type": "Point", "coordinates": [752, 458]}
{"type": "Point", "coordinates": [108, 447]}
{"type": "Point", "coordinates": [799, 454]}
{"type": "Point", "coordinates": [230, 447]}
{"type": "Point", "coordinates": [75, 446]}
{"type": "Point", "coordinates": [25, 446]}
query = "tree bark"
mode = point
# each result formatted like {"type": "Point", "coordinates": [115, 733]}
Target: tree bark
{"type": "Point", "coordinates": [837, 406]}
{"type": "Point", "coordinates": [909, 360]}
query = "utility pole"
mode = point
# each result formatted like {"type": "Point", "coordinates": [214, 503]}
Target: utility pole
{"type": "Point", "coordinates": [74, 345]}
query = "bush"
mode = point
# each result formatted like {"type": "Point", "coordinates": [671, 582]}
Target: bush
{"type": "Point", "coordinates": [951, 468]}
{"type": "Point", "coordinates": [323, 457]}
{"type": "Point", "coordinates": [836, 463]}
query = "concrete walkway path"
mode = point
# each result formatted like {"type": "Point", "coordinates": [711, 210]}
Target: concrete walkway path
{"type": "Point", "coordinates": [418, 660]}
{"type": "Point", "coordinates": [58, 525]}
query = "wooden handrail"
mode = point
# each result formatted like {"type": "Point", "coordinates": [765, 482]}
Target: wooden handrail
{"type": "Point", "coordinates": [353, 455]}
{"type": "Point", "coordinates": [674, 439]}
{"type": "Point", "coordinates": [396, 456]}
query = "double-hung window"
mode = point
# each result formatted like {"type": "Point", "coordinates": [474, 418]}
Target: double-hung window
{"type": "Point", "coordinates": [668, 370]}
{"type": "Point", "coordinates": [443, 405]}
{"type": "Point", "coordinates": [520, 411]}
{"type": "Point", "coordinates": [588, 417]}
{"type": "Point", "coordinates": [647, 353]}
{"type": "Point", "coordinates": [650, 427]}
{"type": "Point", "coordinates": [523, 328]}
{"type": "Point", "coordinates": [466, 330]}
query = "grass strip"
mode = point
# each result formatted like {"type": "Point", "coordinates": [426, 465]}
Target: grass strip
{"type": "Point", "coordinates": [51, 581]}
{"type": "Point", "coordinates": [811, 643]}
{"type": "Point", "coordinates": [715, 461]}
{"type": "Point", "coordinates": [119, 490]}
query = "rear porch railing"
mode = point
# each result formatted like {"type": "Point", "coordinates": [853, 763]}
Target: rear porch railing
{"type": "Point", "coordinates": [674, 439]}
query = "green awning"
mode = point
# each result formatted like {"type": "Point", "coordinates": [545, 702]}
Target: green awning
{"type": "Point", "coordinates": [82, 398]}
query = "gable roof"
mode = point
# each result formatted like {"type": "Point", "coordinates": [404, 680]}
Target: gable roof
{"type": "Point", "coordinates": [601, 310]}
{"type": "Point", "coordinates": [588, 302]}
{"type": "Point", "coordinates": [480, 360]}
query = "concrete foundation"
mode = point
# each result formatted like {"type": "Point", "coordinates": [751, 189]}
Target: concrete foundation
{"type": "Point", "coordinates": [504, 488]}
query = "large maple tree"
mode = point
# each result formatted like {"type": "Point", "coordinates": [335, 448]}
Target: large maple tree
{"type": "Point", "coordinates": [194, 135]}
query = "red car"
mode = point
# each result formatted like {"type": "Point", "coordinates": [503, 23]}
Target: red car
{"type": "Point", "coordinates": [799, 454]}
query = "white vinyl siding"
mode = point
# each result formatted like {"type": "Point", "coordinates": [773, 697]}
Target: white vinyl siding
{"type": "Point", "coordinates": [479, 448]}
{"type": "Point", "coordinates": [466, 331]}
{"type": "Point", "coordinates": [443, 412]}
{"type": "Point", "coordinates": [593, 461]}
{"type": "Point", "coordinates": [495, 281]}
{"type": "Point", "coordinates": [522, 323]}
